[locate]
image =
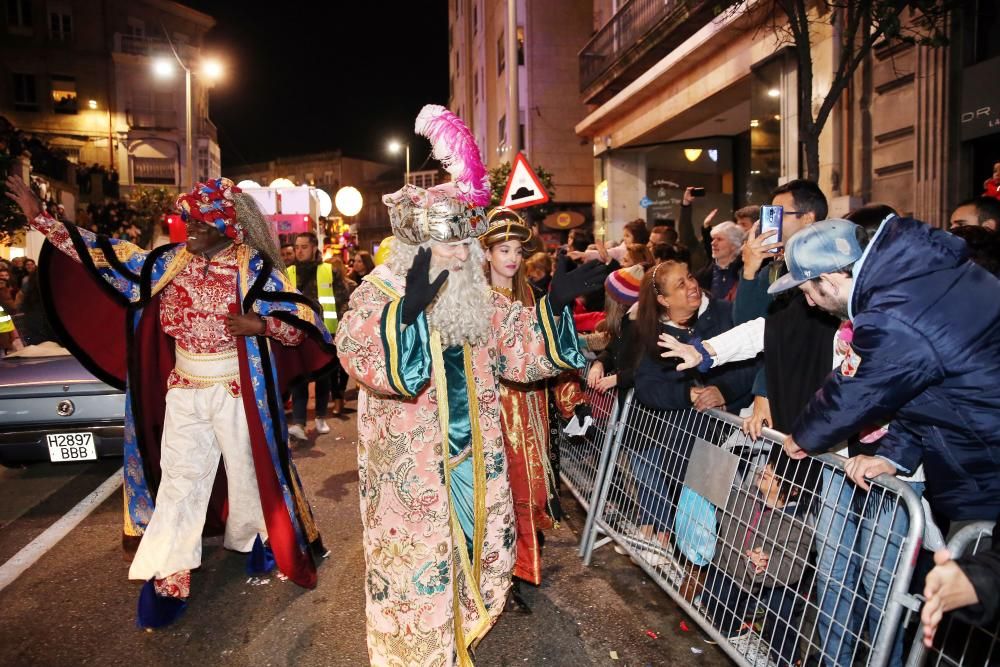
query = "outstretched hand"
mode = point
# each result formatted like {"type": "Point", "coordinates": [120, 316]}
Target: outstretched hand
{"type": "Point", "coordinates": [566, 285]}
{"type": "Point", "coordinates": [22, 195]}
{"type": "Point", "coordinates": [420, 291]}
{"type": "Point", "coordinates": [689, 355]}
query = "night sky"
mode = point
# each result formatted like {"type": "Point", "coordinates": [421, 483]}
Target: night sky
{"type": "Point", "coordinates": [324, 75]}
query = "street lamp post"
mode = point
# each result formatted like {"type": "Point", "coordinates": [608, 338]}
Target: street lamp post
{"type": "Point", "coordinates": [394, 148]}
{"type": "Point", "coordinates": [211, 70]}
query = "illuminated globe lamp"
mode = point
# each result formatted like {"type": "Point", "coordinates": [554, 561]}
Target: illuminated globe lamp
{"type": "Point", "coordinates": [325, 203]}
{"type": "Point", "coordinates": [348, 201]}
{"type": "Point", "coordinates": [248, 185]}
{"type": "Point", "coordinates": [281, 183]}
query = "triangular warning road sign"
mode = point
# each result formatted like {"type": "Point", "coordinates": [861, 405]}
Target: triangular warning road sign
{"type": "Point", "coordinates": [523, 187]}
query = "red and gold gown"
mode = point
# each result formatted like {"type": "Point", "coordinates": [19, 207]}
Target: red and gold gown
{"type": "Point", "coordinates": [524, 415]}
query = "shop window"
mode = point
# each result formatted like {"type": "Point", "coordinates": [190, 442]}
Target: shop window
{"type": "Point", "coordinates": [64, 94]}
{"type": "Point", "coordinates": [520, 45]}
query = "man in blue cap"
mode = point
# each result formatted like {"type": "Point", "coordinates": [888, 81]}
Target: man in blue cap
{"type": "Point", "coordinates": [925, 354]}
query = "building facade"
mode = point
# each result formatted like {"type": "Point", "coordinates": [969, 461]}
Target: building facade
{"type": "Point", "coordinates": [79, 74]}
{"type": "Point", "coordinates": [548, 36]}
{"type": "Point", "coordinates": [680, 95]}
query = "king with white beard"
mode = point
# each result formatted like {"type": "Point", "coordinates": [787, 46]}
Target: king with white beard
{"type": "Point", "coordinates": [428, 342]}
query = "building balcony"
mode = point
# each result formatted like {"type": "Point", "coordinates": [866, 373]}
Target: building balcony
{"type": "Point", "coordinates": [149, 46]}
{"type": "Point", "coordinates": [641, 33]}
{"type": "Point", "coordinates": [206, 128]}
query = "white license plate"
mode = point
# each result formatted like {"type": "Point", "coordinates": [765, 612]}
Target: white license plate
{"type": "Point", "coordinates": [71, 447]}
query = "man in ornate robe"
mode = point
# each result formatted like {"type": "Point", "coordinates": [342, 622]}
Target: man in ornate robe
{"type": "Point", "coordinates": [203, 337]}
{"type": "Point", "coordinates": [428, 342]}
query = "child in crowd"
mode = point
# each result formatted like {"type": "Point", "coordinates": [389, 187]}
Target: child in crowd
{"type": "Point", "coordinates": [763, 551]}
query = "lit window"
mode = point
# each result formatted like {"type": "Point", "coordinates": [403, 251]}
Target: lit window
{"type": "Point", "coordinates": [520, 45]}
{"type": "Point", "coordinates": [64, 94]}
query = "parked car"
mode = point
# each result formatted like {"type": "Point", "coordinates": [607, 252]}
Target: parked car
{"type": "Point", "coordinates": [52, 409]}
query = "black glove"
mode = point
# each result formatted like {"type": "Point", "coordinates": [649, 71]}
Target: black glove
{"type": "Point", "coordinates": [566, 285]}
{"type": "Point", "coordinates": [582, 411]}
{"type": "Point", "coordinates": [420, 291]}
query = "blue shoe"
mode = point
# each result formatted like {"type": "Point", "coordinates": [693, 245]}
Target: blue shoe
{"type": "Point", "coordinates": [157, 611]}
{"type": "Point", "coordinates": [260, 560]}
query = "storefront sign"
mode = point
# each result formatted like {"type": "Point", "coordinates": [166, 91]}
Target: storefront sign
{"type": "Point", "coordinates": [980, 108]}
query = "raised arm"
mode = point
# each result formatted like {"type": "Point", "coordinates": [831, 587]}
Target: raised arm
{"type": "Point", "coordinates": [117, 262]}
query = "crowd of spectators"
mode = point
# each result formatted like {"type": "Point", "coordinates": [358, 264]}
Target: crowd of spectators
{"type": "Point", "coordinates": [790, 358]}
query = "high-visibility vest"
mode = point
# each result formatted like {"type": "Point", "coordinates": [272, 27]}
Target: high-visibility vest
{"type": "Point", "coordinates": [6, 323]}
{"type": "Point", "coordinates": [324, 290]}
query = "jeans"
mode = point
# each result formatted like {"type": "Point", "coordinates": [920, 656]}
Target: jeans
{"type": "Point", "coordinates": [300, 399]}
{"type": "Point", "coordinates": [729, 606]}
{"type": "Point", "coordinates": [338, 381]}
{"type": "Point", "coordinates": [857, 551]}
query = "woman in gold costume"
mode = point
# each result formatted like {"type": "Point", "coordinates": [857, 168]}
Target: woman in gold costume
{"type": "Point", "coordinates": [524, 408]}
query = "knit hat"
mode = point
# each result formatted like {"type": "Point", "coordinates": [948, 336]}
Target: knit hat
{"type": "Point", "coordinates": [623, 284]}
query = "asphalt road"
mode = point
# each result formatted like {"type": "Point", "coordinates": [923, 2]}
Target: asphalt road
{"type": "Point", "coordinates": [76, 606]}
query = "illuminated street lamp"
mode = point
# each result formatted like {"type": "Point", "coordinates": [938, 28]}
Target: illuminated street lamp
{"type": "Point", "coordinates": [394, 148]}
{"type": "Point", "coordinates": [164, 68]}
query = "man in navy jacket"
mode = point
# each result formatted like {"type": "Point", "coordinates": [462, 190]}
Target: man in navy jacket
{"type": "Point", "coordinates": [926, 355]}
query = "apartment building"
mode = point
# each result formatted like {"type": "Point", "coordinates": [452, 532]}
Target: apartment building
{"type": "Point", "coordinates": [548, 37]}
{"type": "Point", "coordinates": [79, 73]}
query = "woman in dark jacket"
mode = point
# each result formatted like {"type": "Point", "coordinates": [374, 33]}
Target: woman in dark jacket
{"type": "Point", "coordinates": [671, 301]}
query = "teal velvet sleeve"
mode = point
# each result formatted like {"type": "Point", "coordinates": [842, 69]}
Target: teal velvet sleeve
{"type": "Point", "coordinates": [407, 350]}
{"type": "Point", "coordinates": [561, 345]}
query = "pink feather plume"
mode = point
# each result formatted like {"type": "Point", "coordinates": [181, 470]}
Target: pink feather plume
{"type": "Point", "coordinates": [456, 149]}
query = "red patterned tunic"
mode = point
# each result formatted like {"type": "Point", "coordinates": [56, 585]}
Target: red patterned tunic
{"type": "Point", "coordinates": [193, 306]}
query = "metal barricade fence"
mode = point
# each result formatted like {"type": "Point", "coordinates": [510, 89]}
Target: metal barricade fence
{"type": "Point", "coordinates": [779, 561]}
{"type": "Point", "coordinates": [957, 644]}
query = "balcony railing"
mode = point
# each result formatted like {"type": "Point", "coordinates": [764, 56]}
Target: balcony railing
{"type": "Point", "coordinates": [638, 34]}
{"type": "Point", "coordinates": [148, 46]}
{"type": "Point", "coordinates": [206, 128]}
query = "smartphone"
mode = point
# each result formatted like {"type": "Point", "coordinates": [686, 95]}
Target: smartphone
{"type": "Point", "coordinates": [770, 218]}
{"type": "Point", "coordinates": [697, 192]}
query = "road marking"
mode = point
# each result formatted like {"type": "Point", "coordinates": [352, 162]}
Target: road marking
{"type": "Point", "coordinates": [37, 548]}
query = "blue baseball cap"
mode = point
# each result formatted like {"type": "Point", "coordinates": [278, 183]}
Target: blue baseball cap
{"type": "Point", "coordinates": [822, 247]}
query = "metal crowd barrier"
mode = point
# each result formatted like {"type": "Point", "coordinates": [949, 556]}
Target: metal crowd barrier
{"type": "Point", "coordinates": [956, 643]}
{"type": "Point", "coordinates": [818, 570]}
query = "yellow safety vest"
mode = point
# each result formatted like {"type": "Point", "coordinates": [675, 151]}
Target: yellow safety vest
{"type": "Point", "coordinates": [324, 290]}
{"type": "Point", "coordinates": [6, 323]}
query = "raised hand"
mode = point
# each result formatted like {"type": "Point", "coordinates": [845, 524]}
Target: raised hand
{"type": "Point", "coordinates": [420, 291]}
{"type": "Point", "coordinates": [22, 195]}
{"type": "Point", "coordinates": [566, 285]}
{"type": "Point", "coordinates": [689, 356]}
{"type": "Point", "coordinates": [708, 218]}
{"type": "Point", "coordinates": [757, 249]}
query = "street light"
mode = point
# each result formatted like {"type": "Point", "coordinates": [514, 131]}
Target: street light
{"type": "Point", "coordinates": [163, 68]}
{"type": "Point", "coordinates": [394, 148]}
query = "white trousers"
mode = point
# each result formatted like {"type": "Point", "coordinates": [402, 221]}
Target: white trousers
{"type": "Point", "coordinates": [199, 425]}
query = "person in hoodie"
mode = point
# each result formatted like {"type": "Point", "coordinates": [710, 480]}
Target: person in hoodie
{"type": "Point", "coordinates": [925, 352]}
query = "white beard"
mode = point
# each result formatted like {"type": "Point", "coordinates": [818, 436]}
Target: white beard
{"type": "Point", "coordinates": [462, 312]}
